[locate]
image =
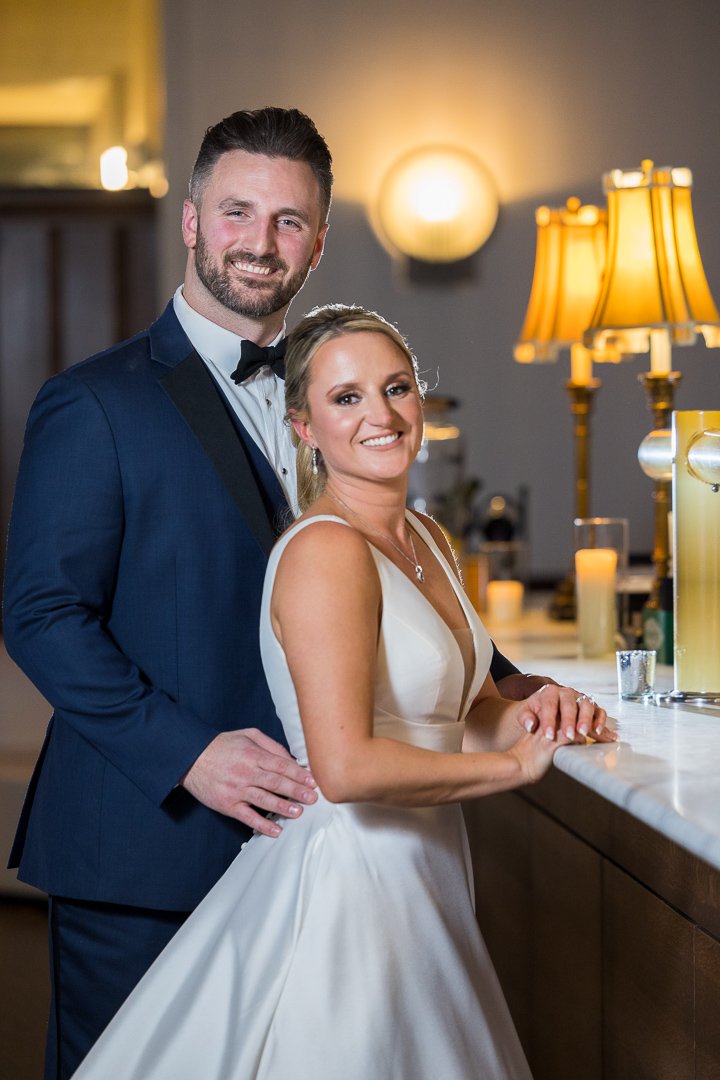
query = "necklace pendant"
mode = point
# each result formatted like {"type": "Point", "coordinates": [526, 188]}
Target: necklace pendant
{"type": "Point", "coordinates": [419, 573]}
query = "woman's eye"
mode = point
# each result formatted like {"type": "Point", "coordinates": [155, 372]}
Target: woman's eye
{"type": "Point", "coordinates": [398, 388]}
{"type": "Point", "coordinates": [346, 399]}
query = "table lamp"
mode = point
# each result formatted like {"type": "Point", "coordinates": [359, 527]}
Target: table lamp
{"type": "Point", "coordinates": [569, 261]}
{"type": "Point", "coordinates": [654, 294]}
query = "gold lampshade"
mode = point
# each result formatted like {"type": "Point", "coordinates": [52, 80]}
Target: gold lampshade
{"type": "Point", "coordinates": [654, 279]}
{"type": "Point", "coordinates": [569, 261]}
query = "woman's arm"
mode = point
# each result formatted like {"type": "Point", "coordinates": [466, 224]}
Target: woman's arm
{"type": "Point", "coordinates": [326, 609]}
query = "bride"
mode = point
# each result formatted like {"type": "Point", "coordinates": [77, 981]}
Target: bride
{"type": "Point", "coordinates": [348, 948]}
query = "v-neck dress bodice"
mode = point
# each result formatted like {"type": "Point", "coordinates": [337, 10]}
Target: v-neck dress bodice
{"type": "Point", "coordinates": [420, 673]}
{"type": "Point", "coordinates": [347, 949]}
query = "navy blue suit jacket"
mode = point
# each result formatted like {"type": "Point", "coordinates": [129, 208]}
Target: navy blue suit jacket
{"type": "Point", "coordinates": [136, 557]}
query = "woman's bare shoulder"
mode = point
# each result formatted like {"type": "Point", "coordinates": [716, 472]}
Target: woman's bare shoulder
{"type": "Point", "coordinates": [327, 545]}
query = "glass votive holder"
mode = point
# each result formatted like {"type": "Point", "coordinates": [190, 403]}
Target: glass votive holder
{"type": "Point", "coordinates": [636, 673]}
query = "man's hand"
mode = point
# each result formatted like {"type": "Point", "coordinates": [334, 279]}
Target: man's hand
{"type": "Point", "coordinates": [241, 770]}
{"type": "Point", "coordinates": [518, 687]}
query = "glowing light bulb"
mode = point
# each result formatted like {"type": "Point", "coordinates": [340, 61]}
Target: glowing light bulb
{"type": "Point", "coordinates": [113, 168]}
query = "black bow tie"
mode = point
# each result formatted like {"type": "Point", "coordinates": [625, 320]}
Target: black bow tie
{"type": "Point", "coordinates": [253, 357]}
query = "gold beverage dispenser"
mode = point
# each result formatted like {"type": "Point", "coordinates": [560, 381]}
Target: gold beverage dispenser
{"type": "Point", "coordinates": [696, 535]}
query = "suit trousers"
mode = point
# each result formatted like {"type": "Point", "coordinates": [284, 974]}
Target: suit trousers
{"type": "Point", "coordinates": [98, 954]}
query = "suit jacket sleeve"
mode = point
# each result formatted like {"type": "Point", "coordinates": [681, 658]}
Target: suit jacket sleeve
{"type": "Point", "coordinates": [500, 666]}
{"type": "Point", "coordinates": [64, 551]}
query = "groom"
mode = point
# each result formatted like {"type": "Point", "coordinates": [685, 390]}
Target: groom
{"type": "Point", "coordinates": [154, 480]}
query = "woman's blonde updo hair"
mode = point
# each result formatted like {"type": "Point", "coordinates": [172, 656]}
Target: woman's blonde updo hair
{"type": "Point", "coordinates": [318, 326]}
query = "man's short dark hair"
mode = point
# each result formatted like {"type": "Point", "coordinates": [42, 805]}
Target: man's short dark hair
{"type": "Point", "coordinates": [275, 132]}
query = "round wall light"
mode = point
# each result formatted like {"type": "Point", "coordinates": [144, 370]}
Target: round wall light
{"type": "Point", "coordinates": [437, 204]}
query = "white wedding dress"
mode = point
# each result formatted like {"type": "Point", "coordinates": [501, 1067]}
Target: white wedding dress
{"type": "Point", "coordinates": [347, 949]}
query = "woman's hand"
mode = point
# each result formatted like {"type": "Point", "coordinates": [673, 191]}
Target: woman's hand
{"type": "Point", "coordinates": [556, 711]}
{"type": "Point", "coordinates": [534, 753]}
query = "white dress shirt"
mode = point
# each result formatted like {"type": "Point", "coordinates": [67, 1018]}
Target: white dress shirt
{"type": "Point", "coordinates": [259, 402]}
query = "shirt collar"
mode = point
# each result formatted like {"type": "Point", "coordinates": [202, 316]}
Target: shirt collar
{"type": "Point", "coordinates": [211, 341]}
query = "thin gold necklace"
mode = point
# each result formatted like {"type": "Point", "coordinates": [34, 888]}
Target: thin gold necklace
{"type": "Point", "coordinates": [419, 573]}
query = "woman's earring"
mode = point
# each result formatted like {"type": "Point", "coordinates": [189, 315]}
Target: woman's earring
{"type": "Point", "coordinates": [314, 460]}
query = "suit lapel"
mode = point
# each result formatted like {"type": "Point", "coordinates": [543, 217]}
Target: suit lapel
{"type": "Point", "coordinates": [192, 390]}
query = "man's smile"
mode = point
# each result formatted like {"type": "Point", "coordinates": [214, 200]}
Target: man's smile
{"type": "Point", "coordinates": [252, 268]}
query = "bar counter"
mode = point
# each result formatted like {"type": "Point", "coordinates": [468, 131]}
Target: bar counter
{"type": "Point", "coordinates": [665, 769]}
{"type": "Point", "coordinates": [598, 889]}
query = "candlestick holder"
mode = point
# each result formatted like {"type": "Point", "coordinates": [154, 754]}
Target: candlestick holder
{"type": "Point", "coordinates": [563, 603]}
{"type": "Point", "coordinates": [660, 389]}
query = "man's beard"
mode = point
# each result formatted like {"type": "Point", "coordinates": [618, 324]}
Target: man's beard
{"type": "Point", "coordinates": [240, 298]}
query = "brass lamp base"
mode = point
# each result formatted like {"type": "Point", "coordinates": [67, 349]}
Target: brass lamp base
{"type": "Point", "coordinates": [660, 390]}
{"type": "Point", "coordinates": [562, 605]}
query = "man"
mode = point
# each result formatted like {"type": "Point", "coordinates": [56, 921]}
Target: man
{"type": "Point", "coordinates": [153, 482]}
{"type": "Point", "coordinates": [149, 493]}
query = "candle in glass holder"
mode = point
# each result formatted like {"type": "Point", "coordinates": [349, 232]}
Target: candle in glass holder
{"type": "Point", "coordinates": [595, 574]}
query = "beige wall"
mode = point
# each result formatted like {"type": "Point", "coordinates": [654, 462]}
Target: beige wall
{"type": "Point", "coordinates": [81, 66]}
{"type": "Point", "coordinates": [550, 96]}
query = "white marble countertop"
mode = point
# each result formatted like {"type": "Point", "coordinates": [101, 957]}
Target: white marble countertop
{"type": "Point", "coordinates": [665, 768]}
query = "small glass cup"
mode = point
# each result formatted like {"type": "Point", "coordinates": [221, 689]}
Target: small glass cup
{"type": "Point", "coordinates": [636, 673]}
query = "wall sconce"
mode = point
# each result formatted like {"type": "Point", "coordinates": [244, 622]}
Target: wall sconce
{"type": "Point", "coordinates": [437, 204]}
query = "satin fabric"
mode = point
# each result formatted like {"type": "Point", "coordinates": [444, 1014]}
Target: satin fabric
{"type": "Point", "coordinates": [347, 948]}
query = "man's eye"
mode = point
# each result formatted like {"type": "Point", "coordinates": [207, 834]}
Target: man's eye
{"type": "Point", "coordinates": [289, 223]}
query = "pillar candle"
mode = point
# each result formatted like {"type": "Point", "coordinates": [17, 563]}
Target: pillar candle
{"type": "Point", "coordinates": [504, 600]}
{"type": "Point", "coordinates": [595, 572]}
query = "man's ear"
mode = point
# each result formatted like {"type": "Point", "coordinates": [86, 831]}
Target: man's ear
{"type": "Point", "coordinates": [319, 246]}
{"type": "Point", "coordinates": [189, 224]}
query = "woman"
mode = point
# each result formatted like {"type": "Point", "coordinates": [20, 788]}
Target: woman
{"type": "Point", "coordinates": [348, 949]}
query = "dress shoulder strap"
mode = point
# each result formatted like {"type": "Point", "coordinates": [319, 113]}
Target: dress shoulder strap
{"type": "Point", "coordinates": [297, 527]}
{"type": "Point", "coordinates": [423, 531]}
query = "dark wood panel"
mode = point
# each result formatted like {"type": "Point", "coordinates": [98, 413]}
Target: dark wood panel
{"type": "Point", "coordinates": [685, 881]}
{"type": "Point", "coordinates": [137, 273]}
{"type": "Point", "coordinates": [77, 273]}
{"type": "Point", "coordinates": [499, 832]}
{"type": "Point", "coordinates": [25, 340]}
{"type": "Point", "coordinates": [89, 290]}
{"type": "Point", "coordinates": [707, 1007]}
{"type": "Point", "coordinates": [565, 954]}
{"type": "Point", "coordinates": [648, 989]}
